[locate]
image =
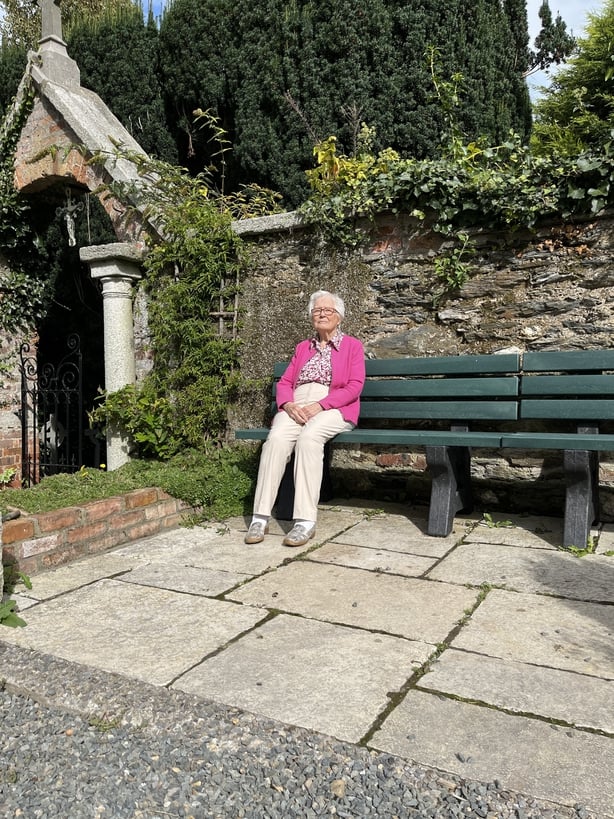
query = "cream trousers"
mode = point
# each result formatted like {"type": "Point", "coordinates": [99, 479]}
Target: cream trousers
{"type": "Point", "coordinates": [307, 442]}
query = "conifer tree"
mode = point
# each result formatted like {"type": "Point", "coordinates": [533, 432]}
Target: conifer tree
{"type": "Point", "coordinates": [13, 61]}
{"type": "Point", "coordinates": [198, 71]}
{"type": "Point", "coordinates": [118, 59]}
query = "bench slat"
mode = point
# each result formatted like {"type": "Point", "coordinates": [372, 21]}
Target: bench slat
{"type": "Point", "coordinates": [442, 387]}
{"type": "Point", "coordinates": [554, 440]}
{"type": "Point", "coordinates": [441, 410]}
{"type": "Point", "coordinates": [567, 385]}
{"type": "Point", "coordinates": [581, 409]}
{"type": "Point", "coordinates": [254, 434]}
{"type": "Point", "coordinates": [437, 365]}
{"type": "Point", "coordinates": [444, 365]}
{"type": "Point", "coordinates": [420, 437]}
{"type": "Point", "coordinates": [574, 360]}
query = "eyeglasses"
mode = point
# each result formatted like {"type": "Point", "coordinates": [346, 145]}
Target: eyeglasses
{"type": "Point", "coordinates": [323, 311]}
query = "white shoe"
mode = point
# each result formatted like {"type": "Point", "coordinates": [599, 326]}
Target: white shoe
{"type": "Point", "coordinates": [299, 535]}
{"type": "Point", "coordinates": [256, 532]}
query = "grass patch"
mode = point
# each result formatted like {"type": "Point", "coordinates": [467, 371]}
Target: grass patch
{"type": "Point", "coordinates": [219, 482]}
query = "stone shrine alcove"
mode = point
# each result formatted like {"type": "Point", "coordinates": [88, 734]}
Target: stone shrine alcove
{"type": "Point", "coordinates": [67, 125]}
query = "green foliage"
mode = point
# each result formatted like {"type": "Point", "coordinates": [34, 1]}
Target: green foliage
{"type": "Point", "coordinates": [6, 476]}
{"type": "Point", "coordinates": [282, 75]}
{"type": "Point", "coordinates": [582, 551]}
{"type": "Point", "coordinates": [496, 524]}
{"type": "Point", "coordinates": [453, 268]}
{"type": "Point", "coordinates": [24, 292]}
{"type": "Point", "coordinates": [147, 419]}
{"type": "Point", "coordinates": [193, 274]}
{"type": "Point", "coordinates": [474, 184]}
{"type": "Point", "coordinates": [553, 44]}
{"type": "Point", "coordinates": [8, 608]}
{"type": "Point", "coordinates": [216, 480]}
{"type": "Point", "coordinates": [13, 62]}
{"type": "Point", "coordinates": [20, 24]}
{"type": "Point", "coordinates": [577, 112]}
{"type": "Point", "coordinates": [8, 615]}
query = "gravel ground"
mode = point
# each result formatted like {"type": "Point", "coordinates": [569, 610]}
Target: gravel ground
{"type": "Point", "coordinates": [76, 742]}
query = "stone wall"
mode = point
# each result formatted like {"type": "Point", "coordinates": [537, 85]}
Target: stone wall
{"type": "Point", "coordinates": [551, 289]}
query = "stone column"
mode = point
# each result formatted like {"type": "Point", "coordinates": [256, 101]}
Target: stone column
{"type": "Point", "coordinates": [117, 266]}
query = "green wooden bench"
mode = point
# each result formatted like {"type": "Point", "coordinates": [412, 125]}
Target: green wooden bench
{"type": "Point", "coordinates": [449, 405]}
{"type": "Point", "coordinates": [574, 391]}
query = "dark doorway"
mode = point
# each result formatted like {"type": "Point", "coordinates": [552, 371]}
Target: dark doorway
{"type": "Point", "coordinates": [75, 308]}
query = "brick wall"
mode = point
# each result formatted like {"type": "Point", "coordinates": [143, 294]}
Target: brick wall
{"type": "Point", "coordinates": [43, 541]}
{"type": "Point", "coordinates": [10, 402]}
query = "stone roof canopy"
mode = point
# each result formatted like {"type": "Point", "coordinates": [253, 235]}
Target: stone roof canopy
{"type": "Point", "coordinates": [65, 115]}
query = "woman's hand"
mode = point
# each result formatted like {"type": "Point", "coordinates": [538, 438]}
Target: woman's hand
{"type": "Point", "coordinates": [296, 412]}
{"type": "Point", "coordinates": [312, 409]}
{"type": "Point", "coordinates": [300, 415]}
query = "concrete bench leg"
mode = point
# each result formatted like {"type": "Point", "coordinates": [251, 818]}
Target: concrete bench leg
{"type": "Point", "coordinates": [450, 468]}
{"type": "Point", "coordinates": [284, 505]}
{"type": "Point", "coordinates": [581, 496]}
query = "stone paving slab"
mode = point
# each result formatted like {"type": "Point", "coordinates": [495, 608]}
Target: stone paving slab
{"type": "Point", "coordinates": [378, 560]}
{"type": "Point", "coordinates": [399, 533]}
{"type": "Point", "coordinates": [167, 545]}
{"type": "Point", "coordinates": [316, 675]}
{"type": "Point", "coordinates": [576, 699]}
{"type": "Point", "coordinates": [332, 520]}
{"type": "Point", "coordinates": [222, 552]}
{"type": "Point", "coordinates": [552, 762]}
{"type": "Point", "coordinates": [73, 575]}
{"type": "Point", "coordinates": [530, 570]}
{"type": "Point", "coordinates": [22, 601]}
{"type": "Point", "coordinates": [403, 606]}
{"type": "Point", "coordinates": [546, 631]}
{"type": "Point", "coordinates": [146, 633]}
{"type": "Point", "coordinates": [188, 579]}
{"type": "Point", "coordinates": [529, 531]}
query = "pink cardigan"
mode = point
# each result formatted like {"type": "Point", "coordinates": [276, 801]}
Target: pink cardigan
{"type": "Point", "coordinates": [348, 365]}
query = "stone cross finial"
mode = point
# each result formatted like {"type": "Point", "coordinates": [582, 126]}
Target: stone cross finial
{"type": "Point", "coordinates": [56, 65]}
{"type": "Point", "coordinates": [51, 19]}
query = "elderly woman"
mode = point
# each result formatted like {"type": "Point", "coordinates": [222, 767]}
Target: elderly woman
{"type": "Point", "coordinates": [317, 397]}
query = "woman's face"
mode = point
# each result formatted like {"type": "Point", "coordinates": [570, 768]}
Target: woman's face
{"type": "Point", "coordinates": [325, 317]}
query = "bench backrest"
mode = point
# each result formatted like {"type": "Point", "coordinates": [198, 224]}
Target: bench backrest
{"type": "Point", "coordinates": [452, 388]}
{"type": "Point", "coordinates": [576, 385]}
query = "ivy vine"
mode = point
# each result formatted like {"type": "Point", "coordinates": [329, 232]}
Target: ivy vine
{"type": "Point", "coordinates": [505, 186]}
{"type": "Point", "coordinates": [23, 293]}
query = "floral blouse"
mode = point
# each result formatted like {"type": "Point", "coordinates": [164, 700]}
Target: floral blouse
{"type": "Point", "coordinates": [318, 370]}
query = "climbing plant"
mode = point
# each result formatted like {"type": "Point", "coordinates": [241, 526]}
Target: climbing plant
{"type": "Point", "coordinates": [468, 183]}
{"type": "Point", "coordinates": [193, 272]}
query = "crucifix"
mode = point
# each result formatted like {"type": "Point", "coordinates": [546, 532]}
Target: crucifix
{"type": "Point", "coordinates": [51, 20]}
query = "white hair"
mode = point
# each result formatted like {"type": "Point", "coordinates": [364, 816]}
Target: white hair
{"type": "Point", "coordinates": [337, 301]}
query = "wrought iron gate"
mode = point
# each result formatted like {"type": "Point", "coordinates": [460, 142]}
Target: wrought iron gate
{"type": "Point", "coordinates": [51, 413]}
